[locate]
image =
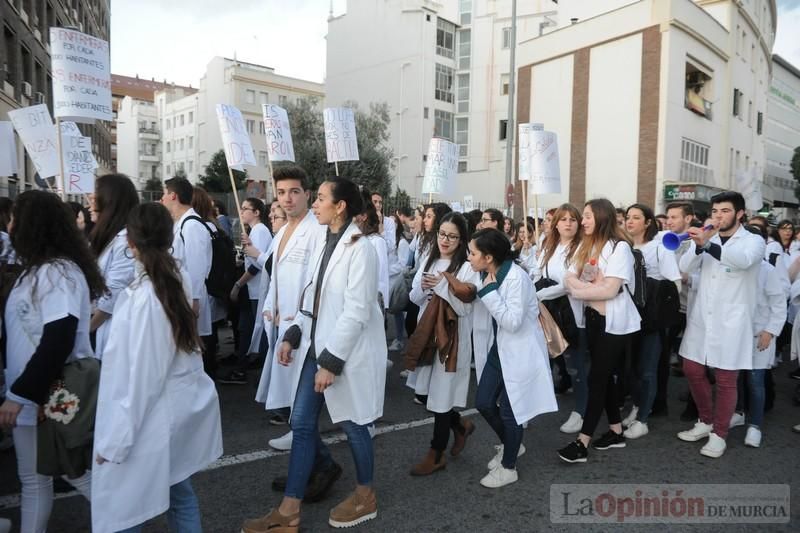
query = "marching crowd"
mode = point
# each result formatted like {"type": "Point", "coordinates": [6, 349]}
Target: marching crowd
{"type": "Point", "coordinates": [111, 315]}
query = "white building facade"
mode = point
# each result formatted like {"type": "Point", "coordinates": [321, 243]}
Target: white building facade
{"type": "Point", "coordinates": [138, 141]}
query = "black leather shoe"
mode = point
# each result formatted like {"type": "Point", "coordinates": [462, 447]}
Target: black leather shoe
{"type": "Point", "coordinates": [319, 484]}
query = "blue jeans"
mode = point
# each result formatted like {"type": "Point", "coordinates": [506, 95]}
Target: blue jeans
{"type": "Point", "coordinates": [578, 360]}
{"type": "Point", "coordinates": [649, 354]}
{"type": "Point", "coordinates": [308, 451]}
{"type": "Point", "coordinates": [755, 386]}
{"type": "Point", "coordinates": [491, 391]}
{"type": "Point", "coordinates": [183, 515]}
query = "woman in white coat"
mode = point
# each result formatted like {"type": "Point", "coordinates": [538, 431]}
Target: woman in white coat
{"type": "Point", "coordinates": [114, 198]}
{"type": "Point", "coordinates": [513, 369]}
{"type": "Point", "coordinates": [445, 389]}
{"type": "Point", "coordinates": [338, 333]}
{"type": "Point", "coordinates": [158, 418]}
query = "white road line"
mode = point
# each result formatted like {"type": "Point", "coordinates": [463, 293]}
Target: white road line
{"type": "Point", "coordinates": [11, 501]}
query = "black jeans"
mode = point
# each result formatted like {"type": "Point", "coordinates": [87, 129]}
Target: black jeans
{"type": "Point", "coordinates": [607, 354]}
{"type": "Point", "coordinates": [443, 423]}
{"type": "Point", "coordinates": [669, 344]}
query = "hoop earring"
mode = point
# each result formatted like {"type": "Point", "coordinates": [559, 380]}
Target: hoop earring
{"type": "Point", "coordinates": [125, 253]}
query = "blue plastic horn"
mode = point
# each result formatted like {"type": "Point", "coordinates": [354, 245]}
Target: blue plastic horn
{"type": "Point", "coordinates": [672, 241]}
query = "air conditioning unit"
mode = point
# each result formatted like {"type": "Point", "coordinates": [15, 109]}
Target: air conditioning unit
{"type": "Point", "coordinates": [27, 90]}
{"type": "Point", "coordinates": [39, 99]}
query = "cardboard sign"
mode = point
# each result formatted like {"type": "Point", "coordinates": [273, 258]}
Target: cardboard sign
{"type": "Point", "coordinates": [441, 167]}
{"type": "Point", "coordinates": [81, 76]}
{"type": "Point", "coordinates": [340, 134]}
{"type": "Point", "coordinates": [35, 127]}
{"type": "Point", "coordinates": [279, 135]}
{"type": "Point", "coordinates": [8, 150]}
{"type": "Point", "coordinates": [469, 204]}
{"type": "Point", "coordinates": [524, 173]}
{"type": "Point", "coordinates": [235, 139]}
{"type": "Point", "coordinates": [79, 164]}
{"type": "Point", "coordinates": [545, 173]}
{"type": "Point", "coordinates": [69, 128]}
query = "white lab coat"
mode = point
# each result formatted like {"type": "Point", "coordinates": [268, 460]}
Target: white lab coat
{"type": "Point", "coordinates": [263, 288]}
{"type": "Point", "coordinates": [158, 419]}
{"type": "Point", "coordinates": [382, 253]}
{"type": "Point", "coordinates": [520, 344]}
{"type": "Point", "coordinates": [289, 273]}
{"type": "Point", "coordinates": [720, 322]}
{"type": "Point", "coordinates": [117, 269]}
{"type": "Point", "coordinates": [770, 313]}
{"type": "Point", "coordinates": [349, 326]}
{"type": "Point", "coordinates": [556, 269]}
{"type": "Point", "coordinates": [193, 253]}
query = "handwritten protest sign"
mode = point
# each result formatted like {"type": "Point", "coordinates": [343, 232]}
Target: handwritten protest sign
{"type": "Point", "coordinates": [8, 150]}
{"type": "Point", "coordinates": [235, 139]}
{"type": "Point", "coordinates": [35, 127]}
{"type": "Point", "coordinates": [524, 149]}
{"type": "Point", "coordinates": [69, 128]}
{"type": "Point", "coordinates": [79, 164]}
{"type": "Point", "coordinates": [469, 203]}
{"type": "Point", "coordinates": [545, 174]}
{"type": "Point", "coordinates": [279, 135]}
{"type": "Point", "coordinates": [441, 167]}
{"type": "Point", "coordinates": [340, 134]}
{"type": "Point", "coordinates": [81, 76]}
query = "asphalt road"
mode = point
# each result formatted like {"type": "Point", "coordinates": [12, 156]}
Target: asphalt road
{"type": "Point", "coordinates": [453, 500]}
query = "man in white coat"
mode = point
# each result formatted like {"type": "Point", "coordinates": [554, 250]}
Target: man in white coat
{"type": "Point", "coordinates": [719, 329]}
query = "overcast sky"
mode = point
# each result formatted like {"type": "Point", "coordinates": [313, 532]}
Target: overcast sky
{"type": "Point", "coordinates": [175, 39]}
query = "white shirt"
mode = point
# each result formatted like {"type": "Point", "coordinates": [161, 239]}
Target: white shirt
{"type": "Point", "coordinates": [261, 239]}
{"type": "Point", "coordinates": [556, 269]}
{"type": "Point", "coordinates": [193, 253]}
{"type": "Point", "coordinates": [659, 262]}
{"type": "Point", "coordinates": [379, 244]}
{"type": "Point", "coordinates": [61, 290]}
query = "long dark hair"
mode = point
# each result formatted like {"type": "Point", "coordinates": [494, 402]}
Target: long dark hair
{"type": "Point", "coordinates": [370, 221]}
{"type": "Point", "coordinates": [553, 238]}
{"type": "Point", "coordinates": [263, 212]}
{"type": "Point", "coordinates": [114, 197]}
{"type": "Point", "coordinates": [494, 242]}
{"type": "Point", "coordinates": [6, 205]}
{"type": "Point", "coordinates": [428, 239]}
{"type": "Point", "coordinates": [777, 234]}
{"type": "Point", "coordinates": [651, 228]}
{"type": "Point", "coordinates": [460, 255]}
{"type": "Point", "coordinates": [87, 217]}
{"type": "Point", "coordinates": [345, 190]}
{"type": "Point", "coordinates": [203, 205]}
{"type": "Point", "coordinates": [150, 231]}
{"type": "Point", "coordinates": [45, 231]}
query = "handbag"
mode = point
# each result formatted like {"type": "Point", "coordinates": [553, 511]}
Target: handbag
{"type": "Point", "coordinates": [560, 309]}
{"type": "Point", "coordinates": [556, 343]}
{"type": "Point", "coordinates": [398, 293]}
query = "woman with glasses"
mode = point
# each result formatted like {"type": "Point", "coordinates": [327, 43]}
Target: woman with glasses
{"type": "Point", "coordinates": [339, 336]}
{"type": "Point", "coordinates": [443, 382]}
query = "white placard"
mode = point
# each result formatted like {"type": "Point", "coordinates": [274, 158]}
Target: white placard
{"type": "Point", "coordinates": [544, 164]}
{"type": "Point", "coordinates": [750, 188]}
{"type": "Point", "coordinates": [340, 134]}
{"type": "Point", "coordinates": [456, 206]}
{"type": "Point", "coordinates": [35, 127]}
{"type": "Point", "coordinates": [524, 148]}
{"type": "Point", "coordinates": [8, 150]}
{"type": "Point", "coordinates": [79, 164]}
{"type": "Point", "coordinates": [279, 135]}
{"type": "Point", "coordinates": [69, 128]}
{"type": "Point", "coordinates": [235, 139]}
{"type": "Point", "coordinates": [469, 204]}
{"type": "Point", "coordinates": [81, 76]}
{"type": "Point", "coordinates": [441, 167]}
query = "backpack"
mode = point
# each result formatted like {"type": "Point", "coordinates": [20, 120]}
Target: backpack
{"type": "Point", "coordinates": [222, 275]}
{"type": "Point", "coordinates": [639, 293]}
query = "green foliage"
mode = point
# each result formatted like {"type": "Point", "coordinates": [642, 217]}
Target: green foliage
{"type": "Point", "coordinates": [216, 178]}
{"type": "Point", "coordinates": [154, 185]}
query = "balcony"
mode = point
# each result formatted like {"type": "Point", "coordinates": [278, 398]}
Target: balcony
{"type": "Point", "coordinates": [149, 158]}
{"type": "Point", "coordinates": [149, 133]}
{"type": "Point", "coordinates": [694, 173]}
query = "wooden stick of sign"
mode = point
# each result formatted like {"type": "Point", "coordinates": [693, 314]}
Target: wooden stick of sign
{"type": "Point", "coordinates": [536, 216]}
{"type": "Point", "coordinates": [336, 164]}
{"type": "Point", "coordinates": [61, 181]}
{"type": "Point", "coordinates": [235, 192]}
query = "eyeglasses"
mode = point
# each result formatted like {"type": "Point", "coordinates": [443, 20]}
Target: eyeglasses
{"type": "Point", "coordinates": [273, 217]}
{"type": "Point", "coordinates": [486, 220]}
{"type": "Point", "coordinates": [785, 227]}
{"type": "Point", "coordinates": [448, 237]}
{"type": "Point", "coordinates": [246, 209]}
{"type": "Point", "coordinates": [302, 311]}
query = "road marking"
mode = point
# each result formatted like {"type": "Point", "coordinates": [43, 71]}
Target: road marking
{"type": "Point", "coordinates": [11, 501]}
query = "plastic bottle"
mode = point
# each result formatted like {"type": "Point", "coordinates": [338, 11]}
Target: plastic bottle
{"type": "Point", "coordinates": [589, 271]}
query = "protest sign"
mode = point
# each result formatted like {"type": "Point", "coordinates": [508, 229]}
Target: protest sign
{"type": "Point", "coordinates": [469, 203]}
{"type": "Point", "coordinates": [79, 164]}
{"type": "Point", "coordinates": [69, 128]}
{"type": "Point", "coordinates": [340, 134]}
{"type": "Point", "coordinates": [35, 127]}
{"type": "Point", "coordinates": [524, 149]}
{"type": "Point", "coordinates": [441, 167]}
{"type": "Point", "coordinates": [279, 135]}
{"type": "Point", "coordinates": [456, 206]}
{"type": "Point", "coordinates": [545, 174]}
{"type": "Point", "coordinates": [81, 76]}
{"type": "Point", "coordinates": [8, 150]}
{"type": "Point", "coordinates": [235, 139]}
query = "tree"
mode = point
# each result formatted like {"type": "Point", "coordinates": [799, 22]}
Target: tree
{"type": "Point", "coordinates": [373, 170]}
{"type": "Point", "coordinates": [154, 185]}
{"type": "Point", "coordinates": [216, 178]}
{"type": "Point", "coordinates": [795, 169]}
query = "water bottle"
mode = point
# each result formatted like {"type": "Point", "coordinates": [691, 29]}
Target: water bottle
{"type": "Point", "coordinates": [589, 271]}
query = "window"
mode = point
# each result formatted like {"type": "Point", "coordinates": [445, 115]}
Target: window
{"type": "Point", "coordinates": [169, 124]}
{"type": "Point", "coordinates": [737, 97]}
{"type": "Point", "coordinates": [444, 83]}
{"type": "Point", "coordinates": [462, 135]}
{"type": "Point", "coordinates": [262, 159]}
{"type": "Point", "coordinates": [428, 17]}
{"type": "Point", "coordinates": [506, 38]}
{"type": "Point", "coordinates": [180, 167]}
{"type": "Point", "coordinates": [191, 166]}
{"type": "Point", "coordinates": [464, 48]}
{"type": "Point", "coordinates": [445, 38]}
{"type": "Point", "coordinates": [463, 93]}
{"type": "Point", "coordinates": [261, 129]}
{"type": "Point", "coordinates": [443, 124]}
{"type": "Point", "coordinates": [694, 162]}
{"type": "Point", "coordinates": [759, 122]}
{"type": "Point", "coordinates": [504, 84]}
{"type": "Point", "coordinates": [169, 170]}
{"type": "Point", "coordinates": [738, 39]}
{"type": "Point", "coordinates": [153, 171]}
{"type": "Point", "coordinates": [191, 143]}
{"type": "Point", "coordinates": [168, 150]}
{"type": "Point", "coordinates": [462, 166]}
{"type": "Point", "coordinates": [424, 112]}
{"type": "Point", "coordinates": [191, 117]}
{"type": "Point", "coordinates": [503, 130]}
{"type": "Point", "coordinates": [251, 126]}
{"type": "Point", "coordinates": [282, 100]}
{"type": "Point", "coordinates": [250, 96]}
{"type": "Point", "coordinates": [264, 97]}
{"type": "Point", "coordinates": [698, 91]}
{"type": "Point", "coordinates": [465, 8]}
{"type": "Point", "coordinates": [182, 120]}
{"type": "Point", "coordinates": [181, 145]}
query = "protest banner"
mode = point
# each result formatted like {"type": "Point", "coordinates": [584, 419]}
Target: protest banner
{"type": "Point", "coordinates": [35, 128]}
{"type": "Point", "coordinates": [524, 171]}
{"type": "Point", "coordinates": [236, 143]}
{"type": "Point", "coordinates": [340, 135]}
{"type": "Point", "coordinates": [279, 135]}
{"type": "Point", "coordinates": [8, 150]}
{"type": "Point", "coordinates": [456, 206]}
{"type": "Point", "coordinates": [81, 76]}
{"type": "Point", "coordinates": [441, 168]}
{"type": "Point", "coordinates": [544, 164]}
{"type": "Point", "coordinates": [469, 203]}
{"type": "Point", "coordinates": [69, 128]}
{"type": "Point", "coordinates": [79, 164]}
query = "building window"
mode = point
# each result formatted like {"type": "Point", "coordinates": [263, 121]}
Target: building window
{"type": "Point", "coordinates": [191, 143]}
{"type": "Point", "coordinates": [191, 117]}
{"type": "Point", "coordinates": [443, 124]}
{"type": "Point", "coordinates": [251, 126]}
{"type": "Point", "coordinates": [250, 96]}
{"type": "Point", "coordinates": [261, 129]}
{"type": "Point", "coordinates": [282, 100]}
{"type": "Point", "coordinates": [462, 166]}
{"type": "Point", "coordinates": [169, 124]}
{"type": "Point", "coordinates": [427, 17]}
{"type": "Point", "coordinates": [168, 150]}
{"type": "Point", "coordinates": [463, 93]}
{"type": "Point", "coordinates": [169, 170]}
{"type": "Point", "coordinates": [445, 38]}
{"type": "Point", "coordinates": [424, 112]}
{"type": "Point", "coordinates": [465, 9]}
{"type": "Point", "coordinates": [504, 84]}
{"type": "Point", "coordinates": [182, 120]}
{"type": "Point", "coordinates": [506, 38]}
{"type": "Point", "coordinates": [759, 122]}
{"type": "Point", "coordinates": [503, 130]}
{"type": "Point", "coordinates": [262, 159]}
{"type": "Point", "coordinates": [694, 162]}
{"type": "Point", "coordinates": [191, 166]}
{"type": "Point", "coordinates": [697, 91]}
{"type": "Point", "coordinates": [180, 167]}
{"type": "Point", "coordinates": [462, 135]}
{"type": "Point", "coordinates": [181, 145]}
{"type": "Point", "coordinates": [444, 83]}
{"type": "Point", "coordinates": [153, 171]}
{"type": "Point", "coordinates": [464, 48]}
{"type": "Point", "coordinates": [264, 98]}
{"type": "Point", "coordinates": [737, 100]}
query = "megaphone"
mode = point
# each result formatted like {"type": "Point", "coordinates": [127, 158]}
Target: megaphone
{"type": "Point", "coordinates": [672, 241]}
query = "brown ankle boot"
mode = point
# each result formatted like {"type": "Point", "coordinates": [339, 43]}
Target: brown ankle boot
{"type": "Point", "coordinates": [432, 462]}
{"type": "Point", "coordinates": [460, 436]}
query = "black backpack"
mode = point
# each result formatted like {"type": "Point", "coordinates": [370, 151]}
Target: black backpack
{"type": "Point", "coordinates": [639, 293]}
{"type": "Point", "coordinates": [222, 276]}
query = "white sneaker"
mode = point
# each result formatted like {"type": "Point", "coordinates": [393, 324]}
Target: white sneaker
{"type": "Point", "coordinates": [699, 431]}
{"type": "Point", "coordinates": [628, 420]}
{"type": "Point", "coordinates": [573, 423]}
{"type": "Point", "coordinates": [404, 373]}
{"type": "Point", "coordinates": [500, 477]}
{"type": "Point", "coordinates": [282, 443]}
{"type": "Point", "coordinates": [636, 429]}
{"type": "Point", "coordinates": [396, 345]}
{"type": "Point", "coordinates": [736, 420]}
{"type": "Point", "coordinates": [498, 458]}
{"type": "Point", "coordinates": [715, 446]}
{"type": "Point", "coordinates": [753, 437]}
